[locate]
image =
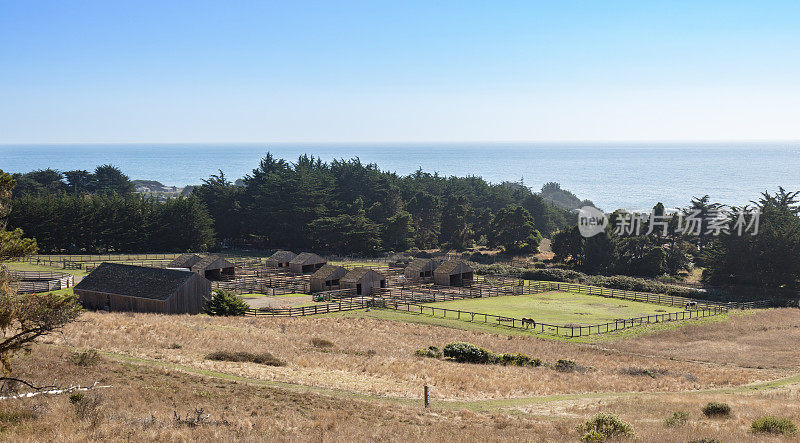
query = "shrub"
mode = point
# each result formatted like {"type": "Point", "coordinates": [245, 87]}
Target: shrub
{"type": "Point", "coordinates": [430, 352]}
{"type": "Point", "coordinates": [705, 440]}
{"type": "Point", "coordinates": [321, 343]}
{"type": "Point", "coordinates": [603, 427]}
{"type": "Point", "coordinates": [565, 366]}
{"type": "Point", "coordinates": [76, 397]}
{"type": "Point", "coordinates": [226, 303]}
{"type": "Point", "coordinates": [714, 409]}
{"type": "Point", "coordinates": [514, 360]}
{"type": "Point", "coordinates": [175, 346]}
{"type": "Point", "coordinates": [679, 418]}
{"type": "Point", "coordinates": [774, 425]}
{"type": "Point", "coordinates": [263, 358]}
{"type": "Point", "coordinates": [466, 353]}
{"type": "Point", "coordinates": [85, 358]}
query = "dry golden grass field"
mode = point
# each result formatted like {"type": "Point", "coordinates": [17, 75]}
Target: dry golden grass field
{"type": "Point", "coordinates": [368, 385]}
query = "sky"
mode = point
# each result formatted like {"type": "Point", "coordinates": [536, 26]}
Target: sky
{"type": "Point", "coordinates": [339, 71]}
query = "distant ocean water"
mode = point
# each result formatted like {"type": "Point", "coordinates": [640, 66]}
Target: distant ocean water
{"type": "Point", "coordinates": [631, 176]}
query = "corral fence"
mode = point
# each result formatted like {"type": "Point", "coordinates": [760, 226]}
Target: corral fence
{"type": "Point", "coordinates": [260, 287]}
{"type": "Point", "coordinates": [535, 287]}
{"type": "Point", "coordinates": [300, 311]}
{"type": "Point", "coordinates": [28, 282]}
{"type": "Point", "coordinates": [560, 330]}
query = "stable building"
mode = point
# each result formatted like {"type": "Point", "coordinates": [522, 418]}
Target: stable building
{"type": "Point", "coordinates": [280, 259]}
{"type": "Point", "coordinates": [453, 273]}
{"type": "Point", "coordinates": [306, 263]}
{"type": "Point", "coordinates": [420, 269]}
{"type": "Point", "coordinates": [212, 267]}
{"type": "Point", "coordinates": [184, 261]}
{"type": "Point", "coordinates": [118, 287]}
{"type": "Point", "coordinates": [364, 281]}
{"type": "Point", "coordinates": [327, 278]}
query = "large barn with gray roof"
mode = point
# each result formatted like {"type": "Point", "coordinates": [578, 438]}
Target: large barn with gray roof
{"type": "Point", "coordinates": [118, 287]}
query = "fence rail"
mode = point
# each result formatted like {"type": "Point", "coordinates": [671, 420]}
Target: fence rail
{"type": "Point", "coordinates": [560, 330]}
{"type": "Point", "coordinates": [661, 299]}
{"type": "Point", "coordinates": [300, 311]}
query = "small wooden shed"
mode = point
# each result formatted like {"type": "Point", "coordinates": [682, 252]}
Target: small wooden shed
{"type": "Point", "coordinates": [306, 263]}
{"type": "Point", "coordinates": [214, 267]}
{"type": "Point", "coordinates": [363, 280]}
{"type": "Point", "coordinates": [327, 278]}
{"type": "Point", "coordinates": [280, 259]}
{"type": "Point", "coordinates": [420, 269]}
{"type": "Point", "coordinates": [184, 261]}
{"type": "Point", "coordinates": [453, 273]}
{"type": "Point", "coordinates": [118, 287]}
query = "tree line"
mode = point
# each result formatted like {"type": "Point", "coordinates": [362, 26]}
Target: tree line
{"type": "Point", "coordinates": [767, 258]}
{"type": "Point", "coordinates": [344, 206]}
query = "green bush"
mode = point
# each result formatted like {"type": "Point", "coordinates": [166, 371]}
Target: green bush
{"type": "Point", "coordinates": [514, 360]}
{"type": "Point", "coordinates": [705, 440]}
{"type": "Point", "coordinates": [263, 358]}
{"type": "Point", "coordinates": [466, 353]}
{"type": "Point", "coordinates": [76, 397]}
{"type": "Point", "coordinates": [430, 352]}
{"type": "Point", "coordinates": [226, 303]}
{"type": "Point", "coordinates": [714, 409]}
{"type": "Point", "coordinates": [602, 427]}
{"type": "Point", "coordinates": [679, 418]}
{"type": "Point", "coordinates": [774, 425]}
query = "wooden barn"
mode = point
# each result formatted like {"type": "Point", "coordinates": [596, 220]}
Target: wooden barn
{"type": "Point", "coordinates": [363, 280]}
{"type": "Point", "coordinates": [327, 278]}
{"type": "Point", "coordinates": [453, 273]}
{"type": "Point", "coordinates": [117, 287]}
{"type": "Point", "coordinates": [212, 267]}
{"type": "Point", "coordinates": [280, 259]}
{"type": "Point", "coordinates": [420, 269]}
{"type": "Point", "coordinates": [184, 261]}
{"type": "Point", "coordinates": [306, 263]}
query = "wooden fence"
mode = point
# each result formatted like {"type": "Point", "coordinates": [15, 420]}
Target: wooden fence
{"type": "Point", "coordinates": [350, 305]}
{"type": "Point", "coordinates": [535, 287]}
{"type": "Point", "coordinates": [560, 330]}
{"type": "Point", "coordinates": [28, 282]}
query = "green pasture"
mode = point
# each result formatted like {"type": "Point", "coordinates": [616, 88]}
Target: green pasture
{"type": "Point", "coordinates": [558, 308]}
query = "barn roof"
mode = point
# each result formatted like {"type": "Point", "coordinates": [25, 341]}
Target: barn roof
{"type": "Point", "coordinates": [211, 262]}
{"type": "Point", "coordinates": [419, 263]}
{"type": "Point", "coordinates": [185, 261]}
{"type": "Point", "coordinates": [452, 267]}
{"type": "Point", "coordinates": [305, 258]}
{"type": "Point", "coordinates": [358, 274]}
{"type": "Point", "coordinates": [135, 281]}
{"type": "Point", "coordinates": [326, 271]}
{"type": "Point", "coordinates": [282, 256]}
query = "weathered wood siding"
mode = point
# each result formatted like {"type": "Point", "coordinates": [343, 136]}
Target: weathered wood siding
{"type": "Point", "coordinates": [188, 299]}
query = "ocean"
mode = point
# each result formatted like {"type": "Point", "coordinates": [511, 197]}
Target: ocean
{"type": "Point", "coordinates": [630, 176]}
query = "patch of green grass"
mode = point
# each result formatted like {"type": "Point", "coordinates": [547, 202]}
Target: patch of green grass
{"type": "Point", "coordinates": [408, 317]}
{"type": "Point", "coordinates": [558, 308]}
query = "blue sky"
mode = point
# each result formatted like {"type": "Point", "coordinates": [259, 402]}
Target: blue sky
{"type": "Point", "coordinates": [236, 71]}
